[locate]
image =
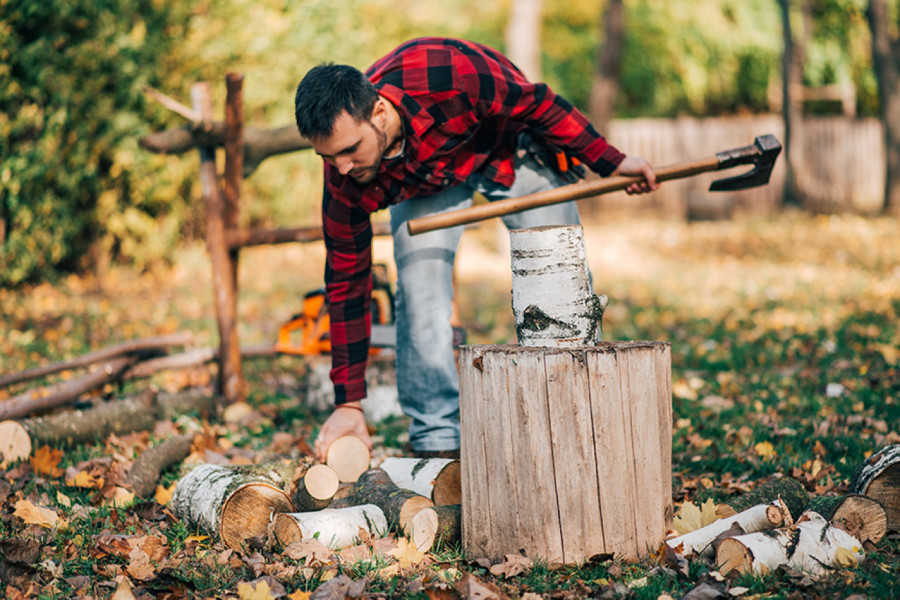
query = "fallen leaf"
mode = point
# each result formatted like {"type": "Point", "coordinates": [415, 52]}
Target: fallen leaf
{"type": "Point", "coordinates": [46, 462]}
{"type": "Point", "coordinates": [83, 479]}
{"type": "Point", "coordinates": [471, 587]}
{"type": "Point", "coordinates": [63, 500]}
{"type": "Point", "coordinates": [122, 498]}
{"type": "Point", "coordinates": [139, 566]}
{"type": "Point", "coordinates": [38, 515]}
{"type": "Point", "coordinates": [313, 551]}
{"type": "Point", "coordinates": [164, 494]}
{"type": "Point", "coordinates": [512, 565]}
{"type": "Point", "coordinates": [690, 517]}
{"type": "Point", "coordinates": [123, 591]}
{"type": "Point", "coordinates": [298, 595]}
{"type": "Point", "coordinates": [407, 554]}
{"type": "Point", "coordinates": [765, 450]}
{"type": "Point", "coordinates": [845, 557]}
{"type": "Point", "coordinates": [259, 591]}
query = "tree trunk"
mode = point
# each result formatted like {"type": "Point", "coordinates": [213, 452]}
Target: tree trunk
{"type": "Point", "coordinates": [349, 457]}
{"type": "Point", "coordinates": [523, 37]}
{"type": "Point", "coordinates": [435, 478]}
{"type": "Point", "coordinates": [886, 60]}
{"type": "Point", "coordinates": [335, 527]}
{"type": "Point", "coordinates": [879, 478]}
{"type": "Point", "coordinates": [437, 525]}
{"type": "Point", "coordinates": [787, 489]}
{"type": "Point", "coordinates": [234, 503]}
{"type": "Point", "coordinates": [811, 546]}
{"type": "Point", "coordinates": [609, 66]}
{"type": "Point", "coordinates": [399, 505]}
{"type": "Point", "coordinates": [699, 543]}
{"type": "Point", "coordinates": [146, 470]}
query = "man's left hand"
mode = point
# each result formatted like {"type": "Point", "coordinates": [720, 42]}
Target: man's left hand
{"type": "Point", "coordinates": [634, 165]}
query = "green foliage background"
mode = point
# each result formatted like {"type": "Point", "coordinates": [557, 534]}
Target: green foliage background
{"type": "Point", "coordinates": [77, 189]}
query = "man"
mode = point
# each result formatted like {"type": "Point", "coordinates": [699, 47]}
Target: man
{"type": "Point", "coordinates": [428, 125]}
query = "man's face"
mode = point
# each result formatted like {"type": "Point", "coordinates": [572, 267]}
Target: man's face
{"type": "Point", "coordinates": [355, 148]}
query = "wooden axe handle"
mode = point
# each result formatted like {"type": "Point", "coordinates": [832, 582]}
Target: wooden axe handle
{"type": "Point", "coordinates": [555, 196]}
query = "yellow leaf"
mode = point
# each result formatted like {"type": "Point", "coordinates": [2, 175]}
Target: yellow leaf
{"type": "Point", "coordinates": [164, 494]}
{"type": "Point", "coordinates": [765, 450]}
{"type": "Point", "coordinates": [122, 498]}
{"type": "Point", "coordinates": [196, 538]}
{"type": "Point", "coordinates": [407, 554]}
{"type": "Point", "coordinates": [83, 479]}
{"type": "Point", "coordinates": [890, 352]}
{"type": "Point", "coordinates": [298, 595]}
{"type": "Point", "coordinates": [846, 557]}
{"type": "Point", "coordinates": [249, 591]}
{"type": "Point", "coordinates": [46, 462]}
{"type": "Point", "coordinates": [691, 517]}
{"type": "Point", "coordinates": [37, 515]}
{"type": "Point", "coordinates": [63, 500]}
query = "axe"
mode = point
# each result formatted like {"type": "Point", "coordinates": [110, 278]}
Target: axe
{"type": "Point", "coordinates": [761, 154]}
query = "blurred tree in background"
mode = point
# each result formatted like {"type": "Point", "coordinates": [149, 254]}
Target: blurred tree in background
{"type": "Point", "coordinates": [76, 189]}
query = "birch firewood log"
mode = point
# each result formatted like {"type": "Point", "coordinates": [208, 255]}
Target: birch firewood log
{"type": "Point", "coordinates": [436, 524]}
{"type": "Point", "coordinates": [349, 457]}
{"type": "Point", "coordinates": [335, 527]}
{"type": "Point", "coordinates": [812, 545]}
{"type": "Point", "coordinates": [399, 505]}
{"type": "Point", "coordinates": [860, 516]}
{"type": "Point", "coordinates": [758, 518]}
{"type": "Point", "coordinates": [552, 300]}
{"type": "Point", "coordinates": [434, 478]}
{"type": "Point", "coordinates": [789, 490]}
{"type": "Point", "coordinates": [315, 488]}
{"type": "Point", "coordinates": [879, 478]}
{"type": "Point", "coordinates": [235, 503]}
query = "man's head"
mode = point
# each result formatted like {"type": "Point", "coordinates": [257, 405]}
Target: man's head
{"type": "Point", "coordinates": [339, 110]}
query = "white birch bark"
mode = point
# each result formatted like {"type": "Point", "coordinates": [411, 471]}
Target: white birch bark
{"type": "Point", "coordinates": [758, 518]}
{"type": "Point", "coordinates": [335, 527]}
{"type": "Point", "coordinates": [415, 474]}
{"type": "Point", "coordinates": [552, 300]}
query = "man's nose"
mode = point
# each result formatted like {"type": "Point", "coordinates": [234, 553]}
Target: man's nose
{"type": "Point", "coordinates": [344, 164]}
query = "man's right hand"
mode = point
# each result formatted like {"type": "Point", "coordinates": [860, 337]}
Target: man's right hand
{"type": "Point", "coordinates": [345, 420]}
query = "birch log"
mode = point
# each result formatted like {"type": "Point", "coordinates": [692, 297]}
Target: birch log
{"type": "Point", "coordinates": [879, 478]}
{"type": "Point", "coordinates": [235, 503]}
{"type": "Point", "coordinates": [335, 527]}
{"type": "Point", "coordinates": [399, 505]}
{"type": "Point", "coordinates": [436, 524]}
{"type": "Point", "coordinates": [860, 516]}
{"type": "Point", "coordinates": [315, 489]}
{"type": "Point", "coordinates": [789, 490]}
{"type": "Point", "coordinates": [349, 457]}
{"type": "Point", "coordinates": [758, 518]}
{"type": "Point", "coordinates": [812, 546]}
{"type": "Point", "coordinates": [552, 300]}
{"type": "Point", "coordinates": [435, 478]}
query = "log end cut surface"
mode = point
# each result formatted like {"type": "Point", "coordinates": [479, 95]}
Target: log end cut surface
{"type": "Point", "coordinates": [733, 556]}
{"type": "Point", "coordinates": [15, 443]}
{"type": "Point", "coordinates": [424, 529]}
{"type": "Point", "coordinates": [448, 486]}
{"type": "Point", "coordinates": [321, 482]}
{"type": "Point", "coordinates": [410, 509]}
{"type": "Point", "coordinates": [247, 512]}
{"type": "Point", "coordinates": [886, 490]}
{"type": "Point", "coordinates": [286, 530]}
{"type": "Point", "coordinates": [349, 457]}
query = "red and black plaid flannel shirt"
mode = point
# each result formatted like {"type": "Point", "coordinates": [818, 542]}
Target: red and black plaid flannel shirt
{"type": "Point", "coordinates": [462, 106]}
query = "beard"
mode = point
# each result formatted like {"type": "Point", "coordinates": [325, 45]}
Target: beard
{"type": "Point", "coordinates": [367, 174]}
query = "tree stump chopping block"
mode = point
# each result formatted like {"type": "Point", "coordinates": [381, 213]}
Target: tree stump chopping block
{"type": "Point", "coordinates": [566, 452]}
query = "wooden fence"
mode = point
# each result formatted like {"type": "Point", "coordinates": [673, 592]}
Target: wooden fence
{"type": "Point", "coordinates": [840, 163]}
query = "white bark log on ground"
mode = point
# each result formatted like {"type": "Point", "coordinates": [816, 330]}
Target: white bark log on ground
{"type": "Point", "coordinates": [552, 300]}
{"type": "Point", "coordinates": [234, 503]}
{"type": "Point", "coordinates": [437, 524]}
{"type": "Point", "coordinates": [812, 545]}
{"type": "Point", "coordinates": [879, 478]}
{"type": "Point", "coordinates": [435, 478]}
{"type": "Point", "coordinates": [349, 457]}
{"type": "Point", "coordinates": [335, 527]}
{"type": "Point", "coordinates": [759, 518]}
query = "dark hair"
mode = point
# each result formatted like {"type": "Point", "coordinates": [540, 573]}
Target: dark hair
{"type": "Point", "coordinates": [328, 90]}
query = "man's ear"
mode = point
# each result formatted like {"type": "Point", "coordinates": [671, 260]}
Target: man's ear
{"type": "Point", "coordinates": [379, 112]}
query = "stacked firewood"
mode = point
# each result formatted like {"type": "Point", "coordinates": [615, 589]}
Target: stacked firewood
{"type": "Point", "coordinates": [779, 524]}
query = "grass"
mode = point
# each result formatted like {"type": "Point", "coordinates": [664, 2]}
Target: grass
{"type": "Point", "coordinates": [785, 351]}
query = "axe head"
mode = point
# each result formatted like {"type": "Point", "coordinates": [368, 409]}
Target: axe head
{"type": "Point", "coordinates": [761, 155]}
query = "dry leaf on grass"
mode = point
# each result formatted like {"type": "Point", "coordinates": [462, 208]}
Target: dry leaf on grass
{"type": "Point", "coordinates": [512, 565]}
{"type": "Point", "coordinates": [473, 588]}
{"type": "Point", "coordinates": [407, 554]}
{"type": "Point", "coordinates": [46, 462]}
{"type": "Point", "coordinates": [164, 494]}
{"type": "Point", "coordinates": [139, 566]}
{"type": "Point", "coordinates": [38, 515]}
{"type": "Point", "coordinates": [690, 517]}
{"type": "Point", "coordinates": [314, 551]}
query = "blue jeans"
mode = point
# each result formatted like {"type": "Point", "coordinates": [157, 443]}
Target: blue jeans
{"type": "Point", "coordinates": [427, 382]}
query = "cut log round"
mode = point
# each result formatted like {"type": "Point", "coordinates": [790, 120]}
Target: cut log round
{"type": "Point", "coordinates": [15, 442]}
{"type": "Point", "coordinates": [436, 524]}
{"type": "Point", "coordinates": [315, 490]}
{"type": "Point", "coordinates": [335, 527]}
{"type": "Point", "coordinates": [234, 503]}
{"type": "Point", "coordinates": [552, 300]}
{"type": "Point", "coordinates": [758, 518]}
{"type": "Point", "coordinates": [811, 546]}
{"type": "Point", "coordinates": [435, 478]}
{"type": "Point", "coordinates": [862, 517]}
{"type": "Point", "coordinates": [399, 505]}
{"type": "Point", "coordinates": [349, 457]}
{"type": "Point", "coordinates": [788, 489]}
{"type": "Point", "coordinates": [879, 478]}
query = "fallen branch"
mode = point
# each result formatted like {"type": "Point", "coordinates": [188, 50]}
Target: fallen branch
{"type": "Point", "coordinates": [146, 470]}
{"type": "Point", "coordinates": [192, 358]}
{"type": "Point", "coordinates": [758, 518]}
{"type": "Point", "coordinates": [42, 399]}
{"type": "Point", "coordinates": [131, 347]}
